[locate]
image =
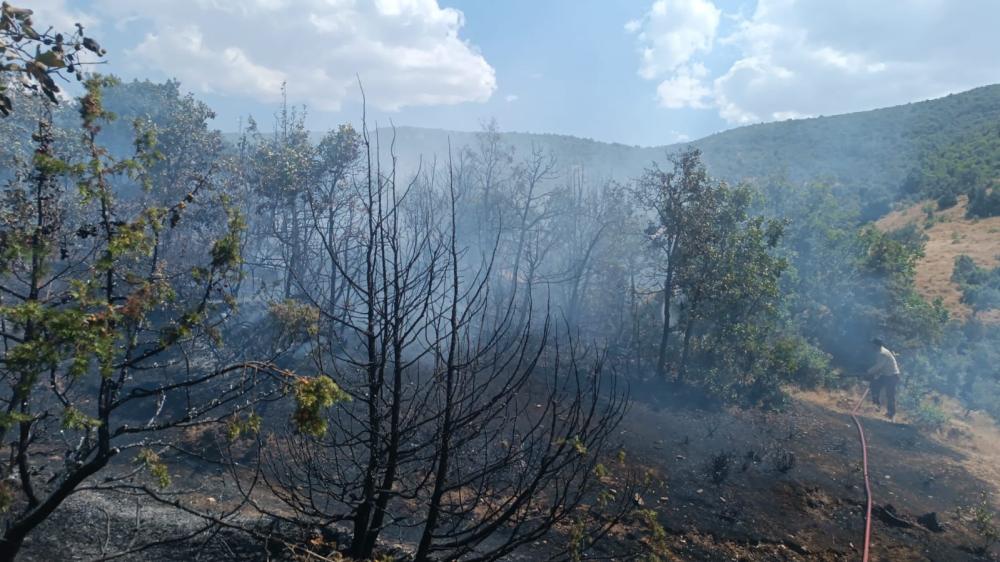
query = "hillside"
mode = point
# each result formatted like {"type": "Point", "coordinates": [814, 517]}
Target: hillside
{"type": "Point", "coordinates": [323, 337]}
{"type": "Point", "coordinates": [727, 484]}
{"type": "Point", "coordinates": [869, 151]}
{"type": "Point", "coordinates": [868, 154]}
{"type": "Point", "coordinates": [949, 234]}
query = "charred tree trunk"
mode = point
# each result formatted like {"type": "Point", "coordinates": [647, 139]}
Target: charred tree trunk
{"type": "Point", "coordinates": [668, 290]}
{"type": "Point", "coordinates": [685, 352]}
{"type": "Point", "coordinates": [442, 456]}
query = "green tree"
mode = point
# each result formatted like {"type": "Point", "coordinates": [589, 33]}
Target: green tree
{"type": "Point", "coordinates": [681, 202]}
{"type": "Point", "coordinates": [93, 321]}
{"type": "Point", "coordinates": [980, 286]}
{"type": "Point", "coordinates": [718, 268]}
{"type": "Point", "coordinates": [731, 284]}
{"type": "Point", "coordinates": [280, 170]}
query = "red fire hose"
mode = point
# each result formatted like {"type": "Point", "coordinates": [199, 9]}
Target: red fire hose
{"type": "Point", "coordinates": [868, 486]}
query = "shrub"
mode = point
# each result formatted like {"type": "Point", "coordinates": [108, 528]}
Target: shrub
{"type": "Point", "coordinates": [947, 200]}
{"type": "Point", "coordinates": [983, 520]}
{"type": "Point", "coordinates": [719, 467]}
{"type": "Point", "coordinates": [784, 461]}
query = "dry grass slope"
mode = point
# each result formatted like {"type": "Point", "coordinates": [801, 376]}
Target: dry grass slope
{"type": "Point", "coordinates": [950, 234]}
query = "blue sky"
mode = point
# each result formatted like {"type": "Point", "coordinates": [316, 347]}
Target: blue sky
{"type": "Point", "coordinates": [573, 68]}
{"type": "Point", "coordinates": [645, 72]}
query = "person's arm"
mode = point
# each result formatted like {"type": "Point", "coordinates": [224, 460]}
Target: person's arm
{"type": "Point", "coordinates": [894, 363]}
{"type": "Point", "coordinates": [874, 368]}
{"type": "Point", "coordinates": [880, 364]}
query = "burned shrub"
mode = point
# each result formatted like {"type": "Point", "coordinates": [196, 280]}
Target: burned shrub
{"type": "Point", "coordinates": [720, 466]}
{"type": "Point", "coordinates": [784, 460]}
{"type": "Point", "coordinates": [751, 458]}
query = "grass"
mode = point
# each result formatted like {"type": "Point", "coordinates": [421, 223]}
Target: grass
{"type": "Point", "coordinates": [978, 239]}
{"type": "Point", "coordinates": [929, 416]}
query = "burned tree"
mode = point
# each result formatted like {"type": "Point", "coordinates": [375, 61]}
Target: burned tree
{"type": "Point", "coordinates": [520, 428]}
{"type": "Point", "coordinates": [386, 259]}
{"type": "Point", "coordinates": [479, 431]}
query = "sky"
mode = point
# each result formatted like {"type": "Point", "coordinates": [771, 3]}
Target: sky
{"type": "Point", "coordinates": [638, 72]}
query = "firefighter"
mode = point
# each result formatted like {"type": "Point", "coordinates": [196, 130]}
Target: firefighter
{"type": "Point", "coordinates": [885, 377]}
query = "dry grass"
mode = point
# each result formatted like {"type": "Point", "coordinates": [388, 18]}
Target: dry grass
{"type": "Point", "coordinates": [950, 234]}
{"type": "Point", "coordinates": [974, 435]}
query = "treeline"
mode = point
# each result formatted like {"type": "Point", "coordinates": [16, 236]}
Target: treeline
{"type": "Point", "coordinates": [969, 166]}
{"type": "Point", "coordinates": [874, 158]}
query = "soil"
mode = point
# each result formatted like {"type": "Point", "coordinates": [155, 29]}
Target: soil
{"type": "Point", "coordinates": [728, 484]}
{"type": "Point", "coordinates": [767, 507]}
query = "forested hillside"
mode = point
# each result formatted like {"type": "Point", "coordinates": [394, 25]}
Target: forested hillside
{"type": "Point", "coordinates": [875, 156]}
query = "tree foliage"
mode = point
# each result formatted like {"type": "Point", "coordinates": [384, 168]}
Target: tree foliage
{"type": "Point", "coordinates": [720, 279]}
{"type": "Point", "coordinates": [106, 329]}
{"type": "Point", "coordinates": [969, 165]}
{"type": "Point", "coordinates": [30, 60]}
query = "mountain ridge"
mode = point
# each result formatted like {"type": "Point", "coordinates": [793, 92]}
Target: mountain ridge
{"type": "Point", "coordinates": [867, 153]}
{"type": "Point", "coordinates": [868, 156]}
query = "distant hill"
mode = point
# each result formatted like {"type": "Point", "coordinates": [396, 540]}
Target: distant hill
{"type": "Point", "coordinates": [868, 154]}
{"type": "Point", "coordinates": [599, 161]}
{"type": "Point", "coordinates": [871, 149]}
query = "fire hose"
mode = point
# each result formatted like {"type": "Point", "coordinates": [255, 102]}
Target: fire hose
{"type": "Point", "coordinates": [868, 486]}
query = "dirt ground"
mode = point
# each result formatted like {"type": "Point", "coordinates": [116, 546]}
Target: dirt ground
{"type": "Point", "coordinates": [727, 485]}
{"type": "Point", "coordinates": [794, 490]}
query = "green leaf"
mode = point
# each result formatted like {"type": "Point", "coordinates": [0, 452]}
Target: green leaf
{"type": "Point", "coordinates": [30, 32]}
{"type": "Point", "coordinates": [76, 420]}
{"type": "Point", "coordinates": [51, 59]}
{"type": "Point", "coordinates": [157, 468]}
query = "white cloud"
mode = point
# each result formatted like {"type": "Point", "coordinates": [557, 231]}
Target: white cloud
{"type": "Point", "coordinates": [796, 58]}
{"type": "Point", "coordinates": [510, 98]}
{"type": "Point", "coordinates": [808, 58]}
{"type": "Point", "coordinates": [228, 70]}
{"type": "Point", "coordinates": [58, 14]}
{"type": "Point", "coordinates": [686, 88]}
{"type": "Point", "coordinates": [672, 32]}
{"type": "Point", "coordinates": [406, 52]}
